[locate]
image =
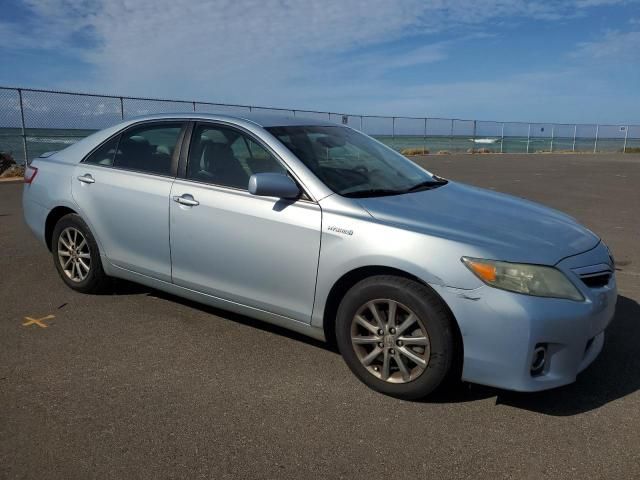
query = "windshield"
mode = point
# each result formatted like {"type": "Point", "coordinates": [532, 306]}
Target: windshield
{"type": "Point", "coordinates": [351, 163]}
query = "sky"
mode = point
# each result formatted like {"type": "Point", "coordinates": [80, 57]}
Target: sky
{"type": "Point", "coordinates": [507, 60]}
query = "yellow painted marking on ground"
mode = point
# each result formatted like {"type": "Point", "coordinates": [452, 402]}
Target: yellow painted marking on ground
{"type": "Point", "coordinates": [37, 321]}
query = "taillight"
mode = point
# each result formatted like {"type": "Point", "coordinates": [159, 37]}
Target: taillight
{"type": "Point", "coordinates": [30, 173]}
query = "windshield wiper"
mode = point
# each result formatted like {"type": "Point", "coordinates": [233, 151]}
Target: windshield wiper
{"type": "Point", "coordinates": [381, 192]}
{"type": "Point", "coordinates": [426, 185]}
{"type": "Point", "coordinates": [373, 192]}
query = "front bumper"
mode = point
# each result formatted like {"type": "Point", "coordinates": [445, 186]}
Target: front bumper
{"type": "Point", "coordinates": [500, 330]}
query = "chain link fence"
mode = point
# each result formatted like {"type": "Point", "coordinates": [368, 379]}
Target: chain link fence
{"type": "Point", "coordinates": [36, 121]}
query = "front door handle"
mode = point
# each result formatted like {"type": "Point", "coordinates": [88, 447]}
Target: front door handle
{"type": "Point", "coordinates": [186, 199]}
{"type": "Point", "coordinates": [86, 178]}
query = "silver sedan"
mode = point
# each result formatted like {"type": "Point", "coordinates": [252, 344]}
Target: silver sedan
{"type": "Point", "coordinates": [323, 230]}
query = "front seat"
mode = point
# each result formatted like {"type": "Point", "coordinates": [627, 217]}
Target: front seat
{"type": "Point", "coordinates": [302, 148]}
{"type": "Point", "coordinates": [224, 168]}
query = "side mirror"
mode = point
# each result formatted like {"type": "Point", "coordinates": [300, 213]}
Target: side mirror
{"type": "Point", "coordinates": [273, 185]}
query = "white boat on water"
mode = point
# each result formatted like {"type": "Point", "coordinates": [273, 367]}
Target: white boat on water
{"type": "Point", "coordinates": [485, 141]}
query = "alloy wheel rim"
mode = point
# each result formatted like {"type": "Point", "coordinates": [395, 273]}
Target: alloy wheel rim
{"type": "Point", "coordinates": [390, 341]}
{"type": "Point", "coordinates": [74, 254]}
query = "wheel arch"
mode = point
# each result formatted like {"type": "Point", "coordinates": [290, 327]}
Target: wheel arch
{"type": "Point", "coordinates": [349, 279]}
{"type": "Point", "coordinates": [52, 218]}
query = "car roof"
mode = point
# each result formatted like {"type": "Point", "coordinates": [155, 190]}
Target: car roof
{"type": "Point", "coordinates": [285, 119]}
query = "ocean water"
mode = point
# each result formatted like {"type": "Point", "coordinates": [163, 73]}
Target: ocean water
{"type": "Point", "coordinates": [39, 141]}
{"type": "Point", "coordinates": [511, 144]}
{"type": "Point", "coordinates": [44, 140]}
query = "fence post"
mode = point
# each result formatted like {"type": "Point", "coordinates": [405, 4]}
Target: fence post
{"type": "Point", "coordinates": [294, 112]}
{"type": "Point", "coordinates": [595, 145]}
{"type": "Point", "coordinates": [393, 132]}
{"type": "Point", "coordinates": [553, 131]}
{"type": "Point", "coordinates": [24, 133]}
{"type": "Point", "coordinates": [361, 123]}
{"type": "Point", "coordinates": [528, 137]}
{"type": "Point", "coordinates": [424, 140]}
{"type": "Point", "coordinates": [451, 136]}
{"type": "Point", "coordinates": [473, 142]}
{"type": "Point", "coordinates": [194, 106]}
{"type": "Point", "coordinates": [626, 134]}
{"type": "Point", "coordinates": [121, 109]}
{"type": "Point", "coordinates": [575, 130]}
{"type": "Point", "coordinates": [501, 138]}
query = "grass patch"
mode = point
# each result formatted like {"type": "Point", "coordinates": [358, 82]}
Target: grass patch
{"type": "Point", "coordinates": [632, 150]}
{"type": "Point", "coordinates": [414, 151]}
{"type": "Point", "coordinates": [8, 167]}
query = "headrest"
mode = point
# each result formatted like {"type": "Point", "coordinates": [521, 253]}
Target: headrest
{"type": "Point", "coordinates": [135, 144]}
{"type": "Point", "coordinates": [138, 140]}
{"type": "Point", "coordinates": [163, 149]}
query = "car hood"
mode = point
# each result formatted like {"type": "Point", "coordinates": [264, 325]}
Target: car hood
{"type": "Point", "coordinates": [500, 226]}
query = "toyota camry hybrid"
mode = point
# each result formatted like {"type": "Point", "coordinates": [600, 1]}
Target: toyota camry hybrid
{"type": "Point", "coordinates": [321, 229]}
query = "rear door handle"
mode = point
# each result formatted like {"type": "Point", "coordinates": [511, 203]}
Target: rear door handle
{"type": "Point", "coordinates": [186, 199]}
{"type": "Point", "coordinates": [86, 178]}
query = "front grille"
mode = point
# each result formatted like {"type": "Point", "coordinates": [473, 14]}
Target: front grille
{"type": "Point", "coordinates": [596, 280]}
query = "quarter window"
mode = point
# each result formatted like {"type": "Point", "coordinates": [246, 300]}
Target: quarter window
{"type": "Point", "coordinates": [105, 154]}
{"type": "Point", "coordinates": [148, 149]}
{"type": "Point", "coordinates": [225, 156]}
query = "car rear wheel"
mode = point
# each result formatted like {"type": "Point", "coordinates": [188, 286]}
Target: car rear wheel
{"type": "Point", "coordinates": [396, 335]}
{"type": "Point", "coordinates": [76, 255]}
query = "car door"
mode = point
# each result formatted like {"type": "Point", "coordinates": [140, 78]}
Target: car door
{"type": "Point", "coordinates": [257, 251]}
{"type": "Point", "coordinates": [122, 189]}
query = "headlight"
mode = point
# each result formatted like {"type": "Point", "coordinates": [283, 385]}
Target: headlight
{"type": "Point", "coordinates": [613, 260]}
{"type": "Point", "coordinates": [523, 278]}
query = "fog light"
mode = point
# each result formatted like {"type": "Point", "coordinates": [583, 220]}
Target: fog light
{"type": "Point", "coordinates": [539, 359]}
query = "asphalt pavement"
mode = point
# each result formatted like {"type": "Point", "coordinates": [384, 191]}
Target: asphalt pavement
{"type": "Point", "coordinates": [140, 384]}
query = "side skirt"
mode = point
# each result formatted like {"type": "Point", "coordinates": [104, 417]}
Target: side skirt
{"type": "Point", "coordinates": [269, 317]}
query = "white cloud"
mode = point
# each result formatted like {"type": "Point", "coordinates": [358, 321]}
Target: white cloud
{"type": "Point", "coordinates": [597, 3]}
{"type": "Point", "coordinates": [614, 46]}
{"type": "Point", "coordinates": [419, 56]}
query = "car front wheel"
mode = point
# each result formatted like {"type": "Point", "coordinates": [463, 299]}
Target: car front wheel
{"type": "Point", "coordinates": [396, 335]}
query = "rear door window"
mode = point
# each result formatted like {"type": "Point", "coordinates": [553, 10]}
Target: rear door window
{"type": "Point", "coordinates": [149, 148]}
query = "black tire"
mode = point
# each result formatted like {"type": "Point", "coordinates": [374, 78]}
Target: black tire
{"type": "Point", "coordinates": [434, 317]}
{"type": "Point", "coordinates": [96, 280]}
